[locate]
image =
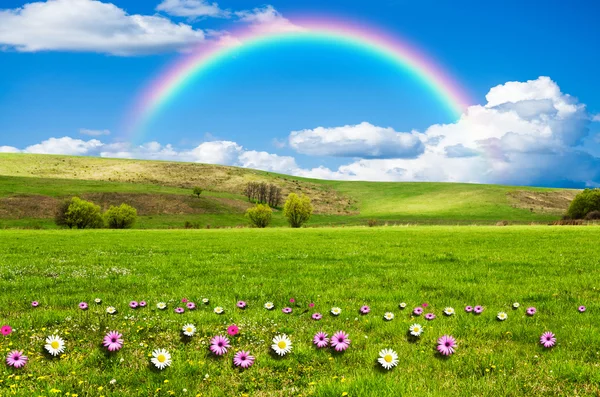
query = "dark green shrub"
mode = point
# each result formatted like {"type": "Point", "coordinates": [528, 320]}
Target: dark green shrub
{"type": "Point", "coordinates": [60, 217]}
{"type": "Point", "coordinates": [197, 191]}
{"type": "Point", "coordinates": [593, 216]}
{"type": "Point", "coordinates": [584, 203]}
{"type": "Point", "coordinates": [260, 216]}
{"type": "Point", "coordinates": [121, 217]}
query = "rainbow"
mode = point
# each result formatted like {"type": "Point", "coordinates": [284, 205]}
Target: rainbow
{"type": "Point", "coordinates": [400, 52]}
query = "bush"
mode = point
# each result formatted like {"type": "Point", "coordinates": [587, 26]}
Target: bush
{"type": "Point", "coordinates": [80, 214]}
{"type": "Point", "coordinates": [297, 210]}
{"type": "Point", "coordinates": [372, 222]}
{"type": "Point", "coordinates": [197, 191]}
{"type": "Point", "coordinates": [121, 217]}
{"type": "Point", "coordinates": [191, 225]}
{"type": "Point", "coordinates": [260, 216]}
{"type": "Point", "coordinates": [584, 203]}
{"type": "Point", "coordinates": [593, 216]}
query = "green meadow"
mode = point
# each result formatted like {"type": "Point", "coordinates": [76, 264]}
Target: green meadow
{"type": "Point", "coordinates": [554, 269]}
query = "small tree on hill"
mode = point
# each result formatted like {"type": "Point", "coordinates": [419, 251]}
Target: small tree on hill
{"type": "Point", "coordinates": [297, 210]}
{"type": "Point", "coordinates": [584, 203]}
{"type": "Point", "coordinates": [82, 214]}
{"type": "Point", "coordinates": [121, 217]}
{"type": "Point", "coordinates": [260, 216]}
{"type": "Point", "coordinates": [197, 191]}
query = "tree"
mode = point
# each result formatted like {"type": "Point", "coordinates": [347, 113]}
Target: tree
{"type": "Point", "coordinates": [121, 217]}
{"type": "Point", "coordinates": [584, 203]}
{"type": "Point", "coordinates": [260, 216]}
{"type": "Point", "coordinates": [60, 217]}
{"type": "Point", "coordinates": [81, 214]}
{"type": "Point", "coordinates": [297, 209]}
{"type": "Point", "coordinates": [198, 191]}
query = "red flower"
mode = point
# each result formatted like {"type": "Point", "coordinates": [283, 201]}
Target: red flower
{"type": "Point", "coordinates": [233, 330]}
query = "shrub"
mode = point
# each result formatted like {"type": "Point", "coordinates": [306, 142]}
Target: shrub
{"type": "Point", "coordinates": [372, 222]}
{"type": "Point", "coordinates": [584, 203]}
{"type": "Point", "coordinates": [82, 214]}
{"type": "Point", "coordinates": [260, 216]}
{"type": "Point", "coordinates": [60, 217]}
{"type": "Point", "coordinates": [192, 225]}
{"type": "Point", "coordinates": [593, 215]}
{"type": "Point", "coordinates": [121, 217]}
{"type": "Point", "coordinates": [297, 210]}
{"type": "Point", "coordinates": [197, 191]}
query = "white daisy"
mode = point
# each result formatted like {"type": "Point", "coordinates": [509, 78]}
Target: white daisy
{"type": "Point", "coordinates": [516, 305]}
{"type": "Point", "coordinates": [161, 305]}
{"type": "Point", "coordinates": [161, 358]}
{"type": "Point", "coordinates": [389, 316]}
{"type": "Point", "coordinates": [502, 316]}
{"type": "Point", "coordinates": [219, 310]}
{"type": "Point", "coordinates": [449, 311]}
{"type": "Point", "coordinates": [111, 310]}
{"type": "Point", "coordinates": [205, 301]}
{"type": "Point", "coordinates": [55, 345]}
{"type": "Point", "coordinates": [336, 311]}
{"type": "Point", "coordinates": [269, 305]}
{"type": "Point", "coordinates": [98, 300]}
{"type": "Point", "coordinates": [388, 358]}
{"type": "Point", "coordinates": [282, 345]}
{"type": "Point", "coordinates": [402, 305]}
{"type": "Point", "coordinates": [189, 330]}
{"type": "Point", "coordinates": [415, 330]}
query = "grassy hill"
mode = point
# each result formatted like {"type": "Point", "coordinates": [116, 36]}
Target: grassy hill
{"type": "Point", "coordinates": [31, 186]}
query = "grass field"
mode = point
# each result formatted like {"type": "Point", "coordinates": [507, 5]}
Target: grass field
{"type": "Point", "coordinates": [555, 269]}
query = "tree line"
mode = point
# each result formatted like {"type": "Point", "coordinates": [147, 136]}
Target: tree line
{"type": "Point", "coordinates": [263, 193]}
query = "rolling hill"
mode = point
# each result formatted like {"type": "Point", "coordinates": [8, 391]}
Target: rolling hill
{"type": "Point", "coordinates": [31, 186]}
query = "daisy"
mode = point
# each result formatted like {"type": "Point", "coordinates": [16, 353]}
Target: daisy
{"type": "Point", "coordinates": [449, 311]}
{"type": "Point", "coordinates": [35, 303]}
{"type": "Point", "coordinates": [16, 359]}
{"type": "Point", "coordinates": [287, 310]}
{"type": "Point", "coordinates": [218, 310]}
{"type": "Point", "coordinates": [241, 304]}
{"type": "Point", "coordinates": [429, 316]}
{"type": "Point", "coordinates": [269, 305]}
{"type": "Point", "coordinates": [321, 340]}
{"type": "Point", "coordinates": [83, 306]}
{"type": "Point", "coordinates": [478, 309]}
{"type": "Point", "coordinates": [548, 339]}
{"type": "Point", "coordinates": [111, 310]}
{"type": "Point", "coordinates": [233, 330]}
{"type": "Point", "coordinates": [446, 345]}
{"type": "Point", "coordinates": [219, 345]}
{"type": "Point", "coordinates": [417, 311]}
{"type": "Point", "coordinates": [531, 311]}
{"type": "Point", "coordinates": [133, 304]}
{"type": "Point", "coordinates": [55, 345]}
{"type": "Point", "coordinates": [388, 358]}
{"type": "Point", "coordinates": [581, 309]}
{"type": "Point", "coordinates": [98, 301]}
{"type": "Point", "coordinates": [425, 304]}
{"type": "Point", "coordinates": [161, 358]}
{"type": "Point", "coordinates": [389, 316]}
{"type": "Point", "coordinates": [516, 305]}
{"type": "Point", "coordinates": [161, 305]}
{"type": "Point", "coordinates": [317, 316]}
{"type": "Point", "coordinates": [243, 359]}
{"type": "Point", "coordinates": [292, 300]}
{"type": "Point", "coordinates": [189, 330]}
{"type": "Point", "coordinates": [365, 309]}
{"type": "Point", "coordinates": [113, 341]}
{"type": "Point", "coordinates": [6, 330]}
{"type": "Point", "coordinates": [282, 345]}
{"type": "Point", "coordinates": [184, 300]}
{"type": "Point", "coordinates": [415, 330]}
{"type": "Point", "coordinates": [143, 304]}
{"type": "Point", "coordinates": [502, 316]}
{"type": "Point", "coordinates": [402, 305]}
{"type": "Point", "coordinates": [190, 305]}
{"type": "Point", "coordinates": [469, 309]}
{"type": "Point", "coordinates": [179, 310]}
{"type": "Point", "coordinates": [311, 305]}
{"type": "Point", "coordinates": [336, 311]}
{"type": "Point", "coordinates": [340, 341]}
{"type": "Point", "coordinates": [205, 301]}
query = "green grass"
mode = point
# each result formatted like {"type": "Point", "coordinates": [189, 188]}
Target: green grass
{"type": "Point", "coordinates": [552, 268]}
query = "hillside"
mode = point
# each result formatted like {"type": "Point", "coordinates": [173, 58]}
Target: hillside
{"type": "Point", "coordinates": [32, 185]}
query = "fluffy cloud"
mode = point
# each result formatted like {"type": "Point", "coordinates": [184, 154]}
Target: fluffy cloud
{"type": "Point", "coordinates": [9, 149]}
{"type": "Point", "coordinates": [91, 25]}
{"type": "Point", "coordinates": [363, 140]}
{"type": "Point", "coordinates": [65, 145]}
{"type": "Point", "coordinates": [267, 19]}
{"type": "Point", "coordinates": [192, 9]}
{"type": "Point", "coordinates": [85, 131]}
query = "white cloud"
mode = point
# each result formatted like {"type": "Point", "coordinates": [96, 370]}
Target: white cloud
{"type": "Point", "coordinates": [91, 25]}
{"type": "Point", "coordinates": [596, 117]}
{"type": "Point", "coordinates": [85, 131]}
{"type": "Point", "coordinates": [9, 149]}
{"type": "Point", "coordinates": [268, 162]}
{"type": "Point", "coordinates": [65, 145]}
{"type": "Point", "coordinates": [362, 140]}
{"type": "Point", "coordinates": [267, 19]}
{"type": "Point", "coordinates": [192, 9]}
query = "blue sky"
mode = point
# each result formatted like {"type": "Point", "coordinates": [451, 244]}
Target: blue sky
{"type": "Point", "coordinates": [70, 71]}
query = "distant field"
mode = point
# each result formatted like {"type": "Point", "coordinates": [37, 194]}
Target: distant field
{"type": "Point", "coordinates": [31, 186]}
{"type": "Point", "coordinates": [554, 269]}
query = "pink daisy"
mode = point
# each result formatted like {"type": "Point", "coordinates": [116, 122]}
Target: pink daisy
{"type": "Point", "coordinates": [292, 300]}
{"type": "Point", "coordinates": [317, 316]}
{"type": "Point", "coordinates": [243, 359]}
{"type": "Point", "coordinates": [531, 311]}
{"type": "Point", "coordinates": [6, 330]}
{"type": "Point", "coordinates": [16, 359]}
{"type": "Point", "coordinates": [321, 340]}
{"type": "Point", "coordinates": [478, 309]}
{"type": "Point", "coordinates": [581, 309]}
{"type": "Point", "coordinates": [35, 303]}
{"type": "Point", "coordinates": [365, 309]}
{"type": "Point", "coordinates": [190, 305]}
{"type": "Point", "coordinates": [548, 339]}
{"type": "Point", "coordinates": [83, 306]}
{"type": "Point", "coordinates": [241, 304]}
{"type": "Point", "coordinates": [143, 304]}
{"type": "Point", "coordinates": [429, 316]}
{"type": "Point", "coordinates": [133, 304]}
{"type": "Point", "coordinates": [287, 310]}
{"type": "Point", "coordinates": [311, 305]}
{"type": "Point", "coordinates": [219, 345]}
{"type": "Point", "coordinates": [469, 309]}
{"type": "Point", "coordinates": [233, 330]}
{"type": "Point", "coordinates": [446, 345]}
{"type": "Point", "coordinates": [417, 311]}
{"type": "Point", "coordinates": [113, 341]}
{"type": "Point", "coordinates": [340, 341]}
{"type": "Point", "coordinates": [184, 300]}
{"type": "Point", "coordinates": [179, 310]}
{"type": "Point", "coordinates": [425, 304]}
